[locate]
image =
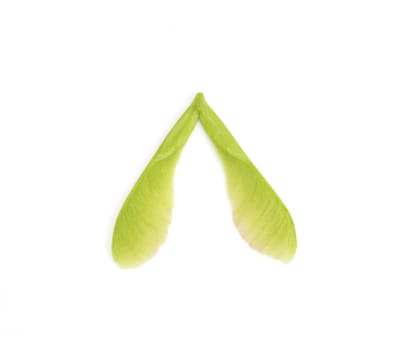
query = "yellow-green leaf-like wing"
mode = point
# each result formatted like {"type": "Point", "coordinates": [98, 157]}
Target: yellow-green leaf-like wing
{"type": "Point", "coordinates": [143, 220]}
{"type": "Point", "coordinates": [258, 213]}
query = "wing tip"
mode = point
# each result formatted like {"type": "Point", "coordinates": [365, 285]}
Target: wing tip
{"type": "Point", "coordinates": [126, 261]}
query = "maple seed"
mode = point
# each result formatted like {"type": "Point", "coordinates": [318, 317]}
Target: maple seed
{"type": "Point", "coordinates": [259, 214]}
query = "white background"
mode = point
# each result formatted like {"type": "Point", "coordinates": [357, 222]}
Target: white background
{"type": "Point", "coordinates": [312, 92]}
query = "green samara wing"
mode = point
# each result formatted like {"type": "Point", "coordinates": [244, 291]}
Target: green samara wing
{"type": "Point", "coordinates": [258, 212]}
{"type": "Point", "coordinates": [142, 224]}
